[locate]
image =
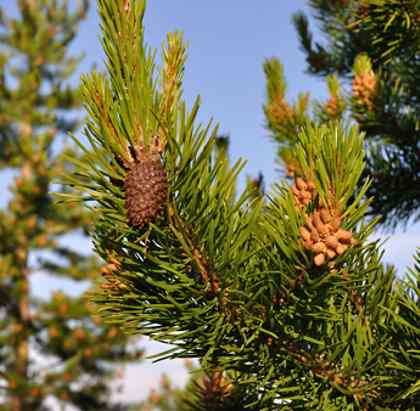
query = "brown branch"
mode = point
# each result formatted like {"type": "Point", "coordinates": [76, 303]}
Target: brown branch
{"type": "Point", "coordinates": [208, 276]}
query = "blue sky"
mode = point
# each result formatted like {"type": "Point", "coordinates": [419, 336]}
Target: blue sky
{"type": "Point", "coordinates": [228, 42]}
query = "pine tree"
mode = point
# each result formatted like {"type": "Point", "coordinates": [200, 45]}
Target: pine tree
{"type": "Point", "coordinates": [51, 347]}
{"type": "Point", "coordinates": [376, 45]}
{"type": "Point", "coordinates": [283, 298]}
{"type": "Point", "coordinates": [212, 391]}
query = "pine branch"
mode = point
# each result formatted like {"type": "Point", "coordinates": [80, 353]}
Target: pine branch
{"type": "Point", "coordinates": [288, 297]}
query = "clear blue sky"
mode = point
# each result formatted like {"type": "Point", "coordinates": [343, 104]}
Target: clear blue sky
{"type": "Point", "coordinates": [228, 42]}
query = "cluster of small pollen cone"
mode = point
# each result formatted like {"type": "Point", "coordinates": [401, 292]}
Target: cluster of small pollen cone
{"type": "Point", "coordinates": [111, 282]}
{"type": "Point", "coordinates": [280, 111]}
{"type": "Point", "coordinates": [215, 387]}
{"type": "Point", "coordinates": [364, 87]}
{"type": "Point", "coordinates": [334, 106]}
{"type": "Point", "coordinates": [303, 192]}
{"type": "Point", "coordinates": [322, 234]}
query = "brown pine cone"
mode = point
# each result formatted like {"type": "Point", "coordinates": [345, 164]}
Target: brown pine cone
{"type": "Point", "coordinates": [146, 188]}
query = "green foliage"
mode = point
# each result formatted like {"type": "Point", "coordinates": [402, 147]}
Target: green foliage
{"type": "Point", "coordinates": [51, 346]}
{"type": "Point", "coordinates": [213, 392]}
{"type": "Point", "coordinates": [287, 297]}
{"type": "Point", "coordinates": [393, 26]}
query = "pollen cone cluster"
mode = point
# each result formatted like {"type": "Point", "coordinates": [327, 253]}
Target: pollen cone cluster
{"type": "Point", "coordinates": [363, 88]}
{"type": "Point", "coordinates": [331, 108]}
{"type": "Point", "coordinates": [322, 234]}
{"type": "Point", "coordinates": [280, 111]}
{"type": "Point", "coordinates": [303, 192]}
{"type": "Point", "coordinates": [334, 106]}
{"type": "Point", "coordinates": [215, 388]}
{"type": "Point", "coordinates": [146, 187]}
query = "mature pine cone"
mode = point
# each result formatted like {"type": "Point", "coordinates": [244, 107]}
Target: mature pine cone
{"type": "Point", "coordinates": [146, 187]}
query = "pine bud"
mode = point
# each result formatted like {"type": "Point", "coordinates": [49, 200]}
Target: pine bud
{"type": "Point", "coordinates": [319, 247]}
{"type": "Point", "coordinates": [306, 195]}
{"type": "Point", "coordinates": [301, 185]}
{"type": "Point", "coordinates": [317, 220]}
{"type": "Point", "coordinates": [353, 241]}
{"type": "Point", "coordinates": [341, 248]}
{"type": "Point", "coordinates": [344, 235]}
{"type": "Point", "coordinates": [330, 253]}
{"type": "Point", "coordinates": [311, 185]}
{"type": "Point", "coordinates": [306, 235]}
{"type": "Point", "coordinates": [315, 236]}
{"type": "Point", "coordinates": [325, 215]}
{"type": "Point", "coordinates": [331, 241]}
{"type": "Point", "coordinates": [323, 230]}
{"type": "Point", "coordinates": [308, 222]}
{"type": "Point", "coordinates": [307, 244]}
{"type": "Point", "coordinates": [335, 223]}
{"type": "Point", "coordinates": [319, 259]}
